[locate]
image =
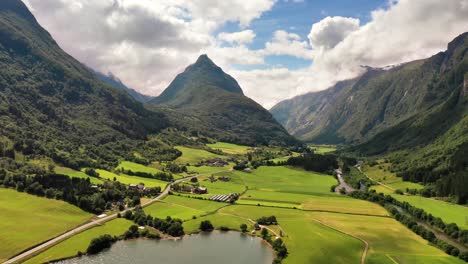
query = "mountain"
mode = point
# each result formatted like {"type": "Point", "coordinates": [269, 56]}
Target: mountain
{"type": "Point", "coordinates": [52, 105]}
{"type": "Point", "coordinates": [417, 113]}
{"type": "Point", "coordinates": [116, 82]}
{"type": "Point", "coordinates": [212, 103]}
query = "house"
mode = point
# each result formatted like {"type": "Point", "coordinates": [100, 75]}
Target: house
{"type": "Point", "coordinates": [216, 162]}
{"type": "Point", "coordinates": [138, 187]}
{"type": "Point", "coordinates": [200, 190]}
{"type": "Point", "coordinates": [224, 178]}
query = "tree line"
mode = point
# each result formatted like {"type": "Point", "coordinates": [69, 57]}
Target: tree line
{"type": "Point", "coordinates": [77, 191]}
{"type": "Point", "coordinates": [406, 213]}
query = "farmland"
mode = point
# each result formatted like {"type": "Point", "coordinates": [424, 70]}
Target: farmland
{"type": "Point", "coordinates": [126, 179]}
{"type": "Point", "coordinates": [80, 242]}
{"type": "Point", "coordinates": [450, 213]}
{"type": "Point", "coordinates": [193, 156]}
{"type": "Point", "coordinates": [322, 149]}
{"type": "Point", "coordinates": [27, 220]}
{"type": "Point", "coordinates": [229, 148]}
{"type": "Point", "coordinates": [135, 167]}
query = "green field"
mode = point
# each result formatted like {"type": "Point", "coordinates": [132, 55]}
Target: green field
{"type": "Point", "coordinates": [27, 220]}
{"type": "Point", "coordinates": [193, 156]}
{"type": "Point", "coordinates": [77, 174]}
{"type": "Point", "coordinates": [126, 179]}
{"type": "Point", "coordinates": [307, 240]}
{"type": "Point", "coordinates": [80, 242]}
{"type": "Point", "coordinates": [381, 173]}
{"type": "Point", "coordinates": [450, 213]}
{"type": "Point", "coordinates": [229, 148]}
{"type": "Point", "coordinates": [218, 220]}
{"type": "Point", "coordinates": [182, 207]}
{"type": "Point", "coordinates": [286, 180]}
{"type": "Point", "coordinates": [322, 149]}
{"type": "Point", "coordinates": [207, 169]}
{"type": "Point", "coordinates": [387, 238]}
{"type": "Point", "coordinates": [135, 167]}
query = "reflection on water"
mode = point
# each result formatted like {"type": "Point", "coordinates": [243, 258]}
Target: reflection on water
{"type": "Point", "coordinates": [214, 248]}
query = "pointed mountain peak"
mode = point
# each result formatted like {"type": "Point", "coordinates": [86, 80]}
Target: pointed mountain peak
{"type": "Point", "coordinates": [17, 7]}
{"type": "Point", "coordinates": [203, 59]}
{"type": "Point", "coordinates": [201, 79]}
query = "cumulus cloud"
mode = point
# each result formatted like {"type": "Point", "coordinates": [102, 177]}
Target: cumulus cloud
{"type": "Point", "coordinates": [331, 31]}
{"type": "Point", "coordinates": [242, 37]}
{"type": "Point", "coordinates": [284, 43]}
{"type": "Point", "coordinates": [406, 30]}
{"type": "Point", "coordinates": [145, 42]}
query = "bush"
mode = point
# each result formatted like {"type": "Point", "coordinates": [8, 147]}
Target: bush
{"type": "Point", "coordinates": [206, 226]}
{"type": "Point", "coordinates": [100, 243]}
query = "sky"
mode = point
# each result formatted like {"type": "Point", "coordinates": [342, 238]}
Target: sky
{"type": "Point", "coordinates": [276, 49]}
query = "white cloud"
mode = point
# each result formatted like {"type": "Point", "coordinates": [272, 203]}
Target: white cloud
{"type": "Point", "coordinates": [330, 31]}
{"type": "Point", "coordinates": [242, 37]}
{"type": "Point", "coordinates": [147, 42]}
{"type": "Point", "coordinates": [270, 86]}
{"type": "Point", "coordinates": [284, 43]}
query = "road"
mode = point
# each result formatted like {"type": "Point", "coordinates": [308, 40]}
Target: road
{"type": "Point", "coordinates": [343, 184]}
{"type": "Point", "coordinates": [83, 227]}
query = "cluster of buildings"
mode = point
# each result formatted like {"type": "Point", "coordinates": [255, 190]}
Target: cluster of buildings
{"type": "Point", "coordinates": [216, 162]}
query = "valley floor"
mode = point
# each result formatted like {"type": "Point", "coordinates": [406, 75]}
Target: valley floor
{"type": "Point", "coordinates": [318, 226]}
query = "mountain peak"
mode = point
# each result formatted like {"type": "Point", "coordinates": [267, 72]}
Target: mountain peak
{"type": "Point", "coordinates": [201, 79]}
{"type": "Point", "coordinates": [204, 59]}
{"type": "Point", "coordinates": [17, 7]}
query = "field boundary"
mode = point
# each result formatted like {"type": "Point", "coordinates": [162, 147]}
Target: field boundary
{"type": "Point", "coordinates": [366, 244]}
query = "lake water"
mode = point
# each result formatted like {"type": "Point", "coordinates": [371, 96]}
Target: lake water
{"type": "Point", "coordinates": [213, 248]}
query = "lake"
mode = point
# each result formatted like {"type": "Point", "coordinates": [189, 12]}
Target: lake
{"type": "Point", "coordinates": [212, 248]}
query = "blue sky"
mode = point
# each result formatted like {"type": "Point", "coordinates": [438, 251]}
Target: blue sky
{"type": "Point", "coordinates": [297, 17]}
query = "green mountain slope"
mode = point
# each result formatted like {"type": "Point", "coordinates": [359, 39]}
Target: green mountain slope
{"type": "Point", "coordinates": [416, 113]}
{"type": "Point", "coordinates": [206, 100]}
{"type": "Point", "coordinates": [52, 105]}
{"type": "Point", "coordinates": [112, 80]}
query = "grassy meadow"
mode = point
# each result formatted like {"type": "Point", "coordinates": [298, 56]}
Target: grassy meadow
{"type": "Point", "coordinates": [135, 167]}
{"type": "Point", "coordinates": [450, 213]}
{"type": "Point", "coordinates": [229, 148]}
{"type": "Point", "coordinates": [27, 220]}
{"type": "Point", "coordinates": [192, 156]}
{"type": "Point", "coordinates": [77, 174]}
{"type": "Point", "coordinates": [80, 242]}
{"type": "Point", "coordinates": [322, 149]}
{"type": "Point", "coordinates": [127, 179]}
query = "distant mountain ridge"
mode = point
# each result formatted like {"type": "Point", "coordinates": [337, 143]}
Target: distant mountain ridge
{"type": "Point", "coordinates": [416, 113]}
{"type": "Point", "coordinates": [116, 82]}
{"type": "Point", "coordinates": [213, 103]}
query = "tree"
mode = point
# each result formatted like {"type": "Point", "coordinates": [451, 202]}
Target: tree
{"type": "Point", "coordinates": [206, 226]}
{"type": "Point", "coordinates": [264, 233]}
{"type": "Point", "coordinates": [100, 243]}
{"type": "Point", "coordinates": [243, 228]}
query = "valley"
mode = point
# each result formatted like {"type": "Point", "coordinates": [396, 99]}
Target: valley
{"type": "Point", "coordinates": [307, 211]}
{"type": "Point", "coordinates": [371, 170]}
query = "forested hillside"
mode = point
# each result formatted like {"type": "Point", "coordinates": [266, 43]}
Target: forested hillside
{"type": "Point", "coordinates": [416, 111]}
{"type": "Point", "coordinates": [206, 100]}
{"type": "Point", "coordinates": [52, 105]}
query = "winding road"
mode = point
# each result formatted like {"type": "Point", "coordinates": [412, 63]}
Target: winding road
{"type": "Point", "coordinates": [68, 234]}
